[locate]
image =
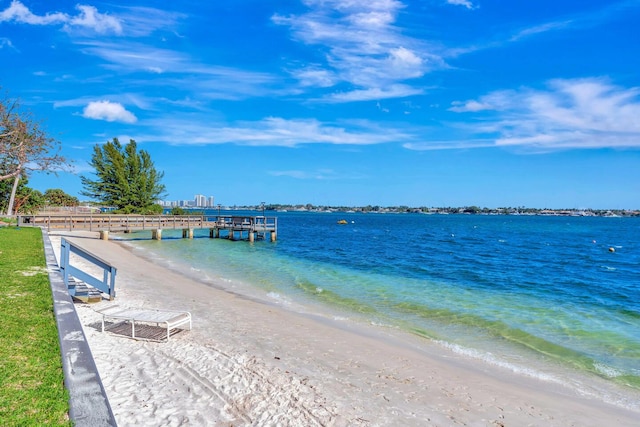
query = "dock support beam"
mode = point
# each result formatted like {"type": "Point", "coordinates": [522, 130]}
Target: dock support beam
{"type": "Point", "coordinates": [104, 235]}
{"type": "Point", "coordinates": [252, 236]}
{"type": "Point", "coordinates": [187, 232]}
{"type": "Point", "coordinates": [273, 236]}
{"type": "Point", "coordinates": [156, 234]}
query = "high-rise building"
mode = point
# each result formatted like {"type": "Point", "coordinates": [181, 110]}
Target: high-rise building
{"type": "Point", "coordinates": [201, 201]}
{"type": "Point", "coordinates": [211, 202]}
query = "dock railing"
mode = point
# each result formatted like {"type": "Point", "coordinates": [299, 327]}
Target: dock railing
{"type": "Point", "coordinates": [107, 222]}
{"type": "Point", "coordinates": [252, 226]}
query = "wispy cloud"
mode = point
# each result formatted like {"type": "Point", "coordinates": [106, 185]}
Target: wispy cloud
{"type": "Point", "coordinates": [364, 47]}
{"type": "Point", "coordinates": [319, 174]}
{"type": "Point", "coordinates": [180, 71]}
{"type": "Point", "coordinates": [270, 131]}
{"type": "Point", "coordinates": [139, 101]}
{"type": "Point", "coordinates": [465, 3]}
{"type": "Point", "coordinates": [578, 21]}
{"type": "Point", "coordinates": [393, 91]}
{"type": "Point", "coordinates": [109, 111]}
{"type": "Point", "coordinates": [450, 144]}
{"type": "Point", "coordinates": [567, 114]}
{"type": "Point", "coordinates": [5, 42]}
{"type": "Point", "coordinates": [142, 21]}
{"type": "Point", "coordinates": [538, 29]}
{"type": "Point", "coordinates": [466, 106]}
{"type": "Point", "coordinates": [583, 20]}
{"type": "Point", "coordinates": [315, 76]}
{"type": "Point", "coordinates": [131, 57]}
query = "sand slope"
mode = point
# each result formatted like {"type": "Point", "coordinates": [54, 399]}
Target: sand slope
{"type": "Point", "coordinates": [249, 363]}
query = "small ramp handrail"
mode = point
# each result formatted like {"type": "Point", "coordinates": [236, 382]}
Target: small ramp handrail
{"type": "Point", "coordinates": [108, 282]}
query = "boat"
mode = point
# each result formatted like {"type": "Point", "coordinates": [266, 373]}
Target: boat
{"type": "Point", "coordinates": [342, 221]}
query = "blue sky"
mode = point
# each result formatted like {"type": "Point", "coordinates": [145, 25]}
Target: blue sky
{"type": "Point", "coordinates": [342, 102]}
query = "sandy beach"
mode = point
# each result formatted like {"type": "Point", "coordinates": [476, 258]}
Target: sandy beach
{"type": "Point", "coordinates": [252, 363]}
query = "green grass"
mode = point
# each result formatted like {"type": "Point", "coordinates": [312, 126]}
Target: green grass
{"type": "Point", "coordinates": [8, 220]}
{"type": "Point", "coordinates": [32, 391]}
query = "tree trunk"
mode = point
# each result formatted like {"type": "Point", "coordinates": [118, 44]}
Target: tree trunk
{"type": "Point", "coordinates": [13, 194]}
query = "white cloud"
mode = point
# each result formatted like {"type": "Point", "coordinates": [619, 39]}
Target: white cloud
{"type": "Point", "coordinates": [585, 20]}
{"type": "Point", "coordinates": [472, 105]}
{"type": "Point", "coordinates": [109, 111]}
{"type": "Point", "coordinates": [465, 3]}
{"type": "Point", "coordinates": [18, 12]}
{"type": "Point", "coordinates": [291, 173]}
{"type": "Point", "coordinates": [372, 19]}
{"type": "Point", "coordinates": [577, 113]}
{"type": "Point", "coordinates": [271, 131]}
{"type": "Point", "coordinates": [538, 29]}
{"type": "Point", "coordinates": [5, 42]}
{"type": "Point", "coordinates": [405, 63]}
{"type": "Point", "coordinates": [88, 17]}
{"type": "Point", "coordinates": [137, 57]}
{"type": "Point", "coordinates": [592, 18]}
{"type": "Point", "coordinates": [395, 91]}
{"type": "Point", "coordinates": [181, 71]}
{"type": "Point", "coordinates": [314, 76]}
{"type": "Point", "coordinates": [457, 144]}
{"type": "Point", "coordinates": [364, 46]}
{"type": "Point", "coordinates": [320, 174]}
{"type": "Point", "coordinates": [141, 21]}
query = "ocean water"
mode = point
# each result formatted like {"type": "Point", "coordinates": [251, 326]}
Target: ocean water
{"type": "Point", "coordinates": [557, 298]}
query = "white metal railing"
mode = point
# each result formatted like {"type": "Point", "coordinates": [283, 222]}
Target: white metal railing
{"type": "Point", "coordinates": [106, 285]}
{"type": "Point", "coordinates": [108, 222]}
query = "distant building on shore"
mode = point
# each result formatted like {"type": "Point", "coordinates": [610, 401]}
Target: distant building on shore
{"type": "Point", "coordinates": [199, 201]}
{"type": "Point", "coordinates": [202, 201]}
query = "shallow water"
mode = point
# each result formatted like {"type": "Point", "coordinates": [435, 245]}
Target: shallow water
{"type": "Point", "coordinates": [544, 296]}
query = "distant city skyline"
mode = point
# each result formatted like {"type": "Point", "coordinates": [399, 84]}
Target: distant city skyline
{"type": "Point", "coordinates": [198, 201]}
{"type": "Point", "coordinates": [331, 102]}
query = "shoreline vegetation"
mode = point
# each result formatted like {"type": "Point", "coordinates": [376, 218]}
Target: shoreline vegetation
{"type": "Point", "coordinates": [369, 209]}
{"type": "Point", "coordinates": [467, 210]}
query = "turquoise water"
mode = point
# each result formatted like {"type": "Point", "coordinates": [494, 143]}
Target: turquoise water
{"type": "Point", "coordinates": [544, 296]}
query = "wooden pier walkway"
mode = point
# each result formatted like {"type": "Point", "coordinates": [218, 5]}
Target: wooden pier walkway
{"type": "Point", "coordinates": [228, 226]}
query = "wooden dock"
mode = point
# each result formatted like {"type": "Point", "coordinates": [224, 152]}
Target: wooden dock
{"type": "Point", "coordinates": [232, 227]}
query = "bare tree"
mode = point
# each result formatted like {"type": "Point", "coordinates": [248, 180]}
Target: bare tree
{"type": "Point", "coordinates": [24, 147]}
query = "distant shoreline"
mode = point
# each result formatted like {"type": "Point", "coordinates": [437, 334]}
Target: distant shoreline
{"type": "Point", "coordinates": [467, 210]}
{"type": "Point", "coordinates": [472, 210]}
